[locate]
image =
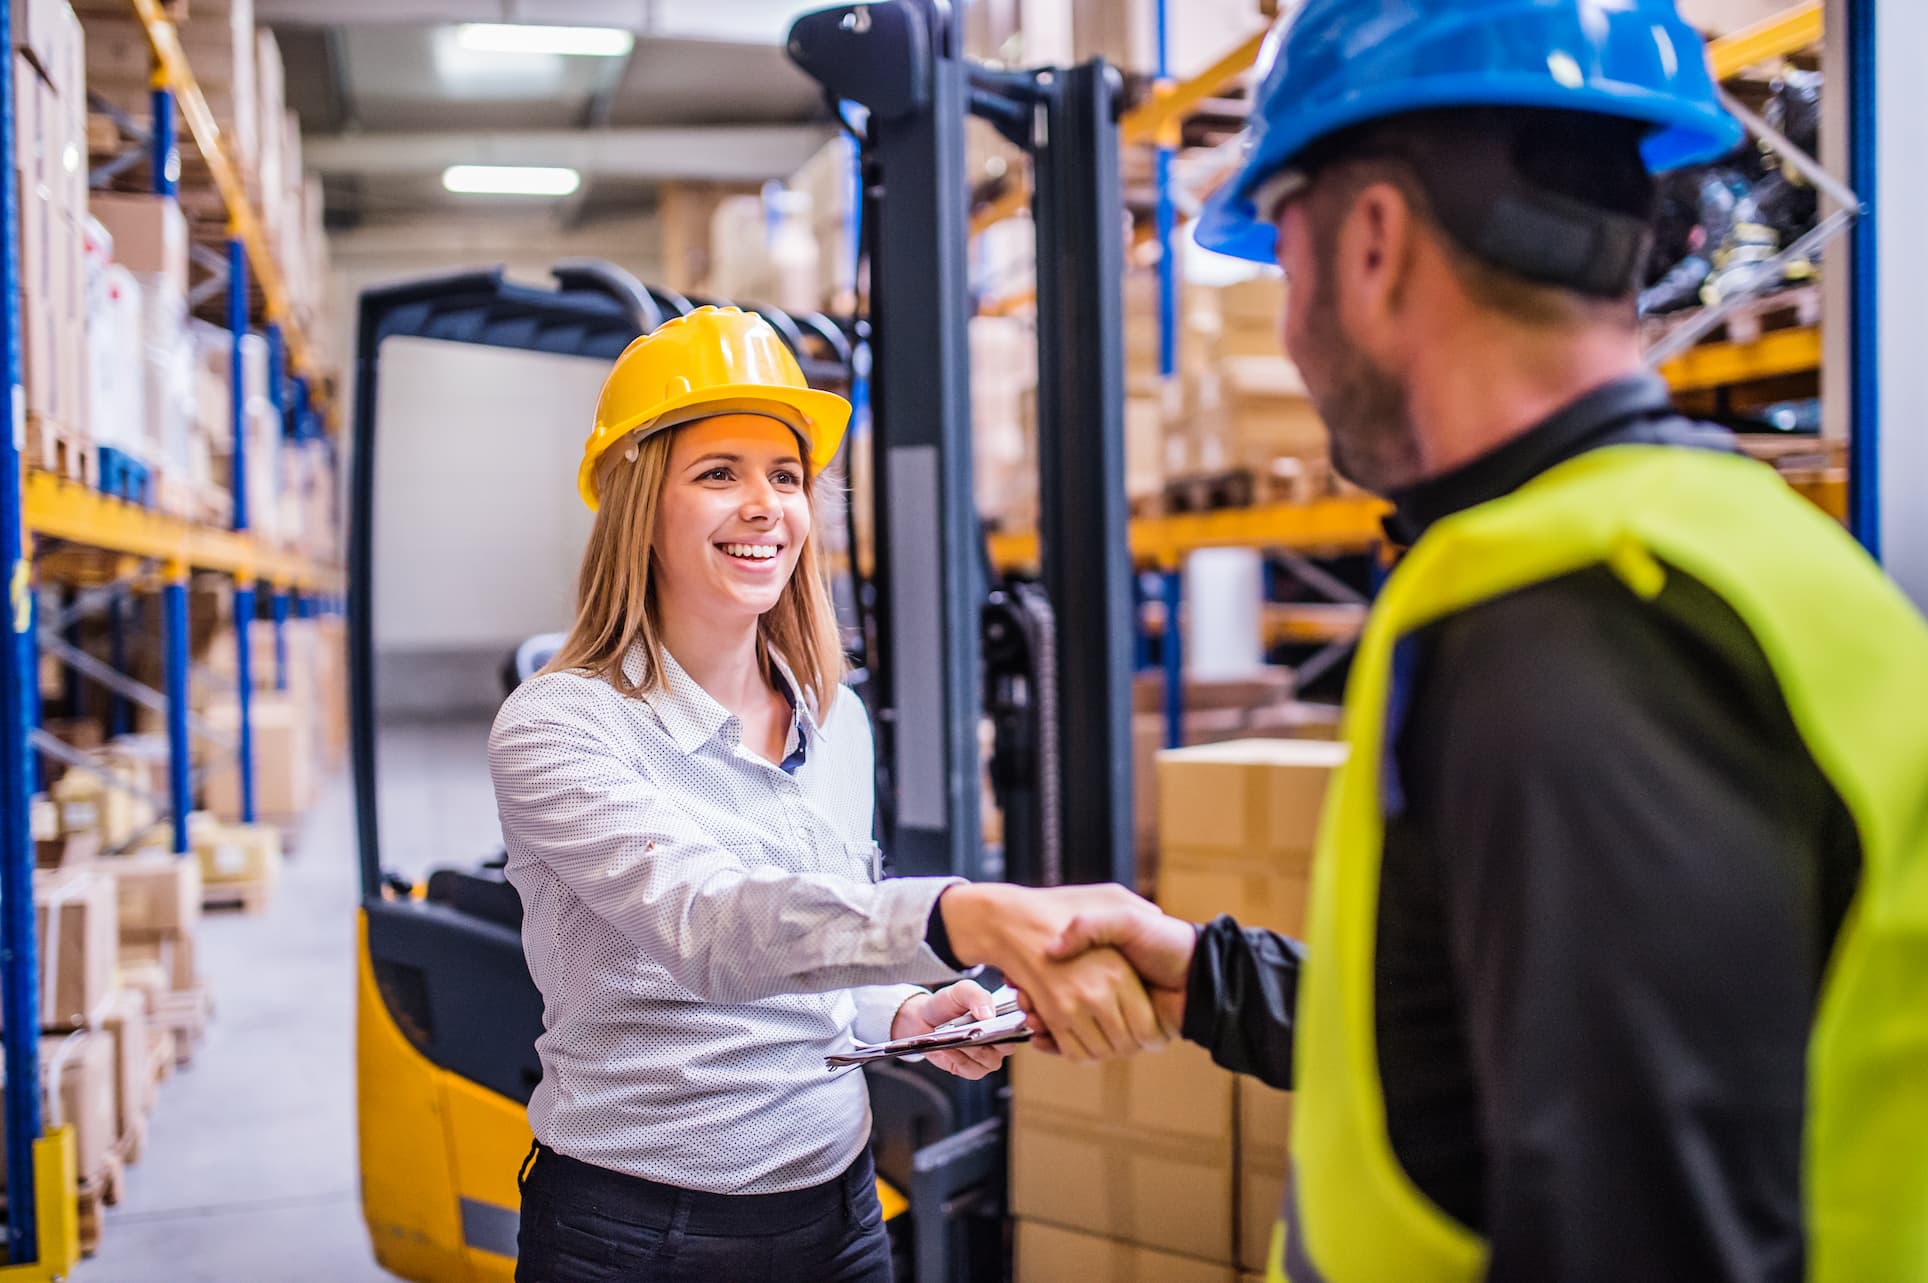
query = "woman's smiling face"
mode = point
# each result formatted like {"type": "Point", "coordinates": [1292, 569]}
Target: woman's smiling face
{"type": "Point", "coordinates": [734, 515]}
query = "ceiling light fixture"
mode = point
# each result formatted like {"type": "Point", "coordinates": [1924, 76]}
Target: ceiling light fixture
{"type": "Point", "coordinates": [510, 180]}
{"type": "Point", "coordinates": [581, 42]}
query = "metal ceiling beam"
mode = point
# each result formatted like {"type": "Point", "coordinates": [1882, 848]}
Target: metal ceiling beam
{"type": "Point", "coordinates": [735, 21]}
{"type": "Point", "coordinates": [731, 153]}
{"type": "Point", "coordinates": [633, 15]}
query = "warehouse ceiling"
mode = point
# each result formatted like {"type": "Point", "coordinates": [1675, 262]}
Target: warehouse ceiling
{"type": "Point", "coordinates": [389, 98]}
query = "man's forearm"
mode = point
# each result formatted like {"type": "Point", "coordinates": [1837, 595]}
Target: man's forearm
{"type": "Point", "coordinates": [1242, 997]}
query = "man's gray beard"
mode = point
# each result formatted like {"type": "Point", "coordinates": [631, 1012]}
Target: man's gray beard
{"type": "Point", "coordinates": [1367, 411]}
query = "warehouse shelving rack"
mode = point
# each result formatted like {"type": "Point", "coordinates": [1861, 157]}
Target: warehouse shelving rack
{"type": "Point", "coordinates": [1352, 524]}
{"type": "Point", "coordinates": [117, 542]}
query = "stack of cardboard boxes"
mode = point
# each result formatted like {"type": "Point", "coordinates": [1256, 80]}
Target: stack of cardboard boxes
{"type": "Point", "coordinates": [212, 425]}
{"type": "Point", "coordinates": [1216, 709]}
{"type": "Point", "coordinates": [1261, 412]}
{"type": "Point", "coordinates": [115, 942]}
{"type": "Point", "coordinates": [189, 431]}
{"type": "Point", "coordinates": [298, 730]}
{"type": "Point", "coordinates": [218, 37]}
{"type": "Point", "coordinates": [1164, 1167]}
{"type": "Point", "coordinates": [50, 173]}
{"type": "Point", "coordinates": [145, 239]}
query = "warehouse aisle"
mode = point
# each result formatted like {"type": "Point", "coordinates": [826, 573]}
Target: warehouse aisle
{"type": "Point", "coordinates": [249, 1174]}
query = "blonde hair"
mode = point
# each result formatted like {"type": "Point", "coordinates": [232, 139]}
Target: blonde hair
{"type": "Point", "coordinates": [616, 606]}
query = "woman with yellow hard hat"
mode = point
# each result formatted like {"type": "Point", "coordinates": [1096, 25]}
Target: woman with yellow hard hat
{"type": "Point", "coordinates": [686, 797]}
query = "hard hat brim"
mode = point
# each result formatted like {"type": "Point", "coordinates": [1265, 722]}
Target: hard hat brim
{"type": "Point", "coordinates": [820, 418]}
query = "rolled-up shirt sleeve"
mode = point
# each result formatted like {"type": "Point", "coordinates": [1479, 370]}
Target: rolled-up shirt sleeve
{"type": "Point", "coordinates": [725, 931]}
{"type": "Point", "coordinates": [877, 1007]}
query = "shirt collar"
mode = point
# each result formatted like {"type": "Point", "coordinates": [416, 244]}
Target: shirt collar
{"type": "Point", "coordinates": [804, 704]}
{"type": "Point", "coordinates": [691, 714]}
{"type": "Point", "coordinates": [1568, 431]}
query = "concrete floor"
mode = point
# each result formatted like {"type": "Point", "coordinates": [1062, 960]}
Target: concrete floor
{"type": "Point", "coordinates": [249, 1173]}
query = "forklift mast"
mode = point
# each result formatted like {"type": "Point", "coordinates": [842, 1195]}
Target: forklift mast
{"type": "Point", "coordinates": [1057, 662]}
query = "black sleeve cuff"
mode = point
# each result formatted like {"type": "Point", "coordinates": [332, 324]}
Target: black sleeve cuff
{"type": "Point", "coordinates": [938, 937]}
{"type": "Point", "coordinates": [1241, 998]}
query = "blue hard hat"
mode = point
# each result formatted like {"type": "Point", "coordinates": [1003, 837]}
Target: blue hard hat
{"type": "Point", "coordinates": [1332, 64]}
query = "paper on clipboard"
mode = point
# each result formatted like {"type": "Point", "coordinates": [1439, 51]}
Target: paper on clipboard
{"type": "Point", "coordinates": [1008, 1025]}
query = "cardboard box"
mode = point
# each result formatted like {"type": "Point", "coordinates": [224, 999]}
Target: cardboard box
{"type": "Point", "coordinates": [1269, 412]}
{"type": "Point", "coordinates": [1276, 901]}
{"type": "Point", "coordinates": [102, 801]}
{"type": "Point", "coordinates": [1264, 1143]}
{"type": "Point", "coordinates": [1139, 1150]}
{"type": "Point", "coordinates": [171, 959]}
{"type": "Point", "coordinates": [43, 818]}
{"type": "Point", "coordinates": [270, 113]}
{"type": "Point", "coordinates": [146, 980]}
{"type": "Point", "coordinates": [284, 753]}
{"type": "Point", "coordinates": [1263, 688]}
{"type": "Point", "coordinates": [77, 1089]}
{"type": "Point", "coordinates": [125, 1024]}
{"type": "Point", "coordinates": [150, 235]}
{"type": "Point", "coordinates": [79, 936]}
{"type": "Point", "coordinates": [83, 733]}
{"type": "Point", "coordinates": [1052, 1254]}
{"type": "Point", "coordinates": [80, 796]}
{"type": "Point", "coordinates": [158, 894]}
{"type": "Point", "coordinates": [72, 87]}
{"type": "Point", "coordinates": [238, 853]}
{"type": "Point", "coordinates": [75, 851]}
{"type": "Point", "coordinates": [1244, 806]}
{"type": "Point", "coordinates": [37, 30]}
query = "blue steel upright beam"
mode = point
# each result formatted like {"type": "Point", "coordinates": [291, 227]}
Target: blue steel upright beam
{"type": "Point", "coordinates": [1864, 302]}
{"type": "Point", "coordinates": [30, 689]}
{"type": "Point", "coordinates": [1174, 651]}
{"type": "Point", "coordinates": [70, 689]}
{"type": "Point", "coordinates": [175, 645]}
{"type": "Point", "coordinates": [237, 376]}
{"type": "Point", "coordinates": [243, 588]}
{"type": "Point", "coordinates": [121, 718]}
{"type": "Point", "coordinates": [244, 692]}
{"type": "Point", "coordinates": [279, 600]}
{"type": "Point", "coordinates": [164, 154]}
{"type": "Point", "coordinates": [19, 978]}
{"type": "Point", "coordinates": [1166, 213]}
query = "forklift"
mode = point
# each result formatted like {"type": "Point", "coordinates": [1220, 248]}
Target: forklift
{"type": "Point", "coordinates": [447, 1015]}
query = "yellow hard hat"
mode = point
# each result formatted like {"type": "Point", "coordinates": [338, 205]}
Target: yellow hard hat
{"type": "Point", "coordinates": [716, 360]}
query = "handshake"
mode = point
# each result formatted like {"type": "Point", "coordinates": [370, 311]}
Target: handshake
{"type": "Point", "coordinates": [1102, 973]}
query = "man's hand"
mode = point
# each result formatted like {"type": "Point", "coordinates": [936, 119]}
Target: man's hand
{"type": "Point", "coordinates": [1092, 1007]}
{"type": "Point", "coordinates": [924, 1012]}
{"type": "Point", "coordinates": [1159, 948]}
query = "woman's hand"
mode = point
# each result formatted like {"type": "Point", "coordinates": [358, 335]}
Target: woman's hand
{"type": "Point", "coordinates": [925, 1011]}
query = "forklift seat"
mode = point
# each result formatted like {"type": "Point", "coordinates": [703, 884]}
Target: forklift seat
{"type": "Point", "coordinates": [484, 893]}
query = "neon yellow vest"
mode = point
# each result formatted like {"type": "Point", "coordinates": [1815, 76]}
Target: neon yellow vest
{"type": "Point", "coordinates": [1851, 656]}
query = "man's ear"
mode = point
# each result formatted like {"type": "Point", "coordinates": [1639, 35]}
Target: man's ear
{"type": "Point", "coordinates": [1375, 249]}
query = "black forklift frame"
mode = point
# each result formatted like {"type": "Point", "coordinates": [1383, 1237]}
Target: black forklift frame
{"type": "Point", "coordinates": [901, 60]}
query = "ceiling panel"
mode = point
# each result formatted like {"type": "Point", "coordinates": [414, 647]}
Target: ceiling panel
{"type": "Point", "coordinates": [690, 82]}
{"type": "Point", "coordinates": [412, 77]}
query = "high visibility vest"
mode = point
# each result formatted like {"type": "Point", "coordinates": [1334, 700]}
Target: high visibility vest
{"type": "Point", "coordinates": [1851, 656]}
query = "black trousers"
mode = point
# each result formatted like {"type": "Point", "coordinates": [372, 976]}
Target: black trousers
{"type": "Point", "coordinates": [585, 1224]}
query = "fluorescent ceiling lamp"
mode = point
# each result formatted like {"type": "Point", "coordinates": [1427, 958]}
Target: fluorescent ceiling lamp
{"type": "Point", "coordinates": [510, 180]}
{"type": "Point", "coordinates": [582, 42]}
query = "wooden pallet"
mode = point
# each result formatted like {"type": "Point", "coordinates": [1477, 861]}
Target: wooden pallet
{"type": "Point", "coordinates": [92, 1201]}
{"type": "Point", "coordinates": [160, 1056]}
{"type": "Point", "coordinates": [251, 897]}
{"type": "Point", "coordinates": [1783, 309]}
{"type": "Point", "coordinates": [1206, 492]}
{"type": "Point", "coordinates": [61, 451]}
{"type": "Point", "coordinates": [111, 1180]}
{"type": "Point", "coordinates": [133, 1142]}
{"type": "Point", "coordinates": [184, 1014]}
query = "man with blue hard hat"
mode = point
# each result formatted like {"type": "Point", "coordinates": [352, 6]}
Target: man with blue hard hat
{"type": "Point", "coordinates": [1616, 959]}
